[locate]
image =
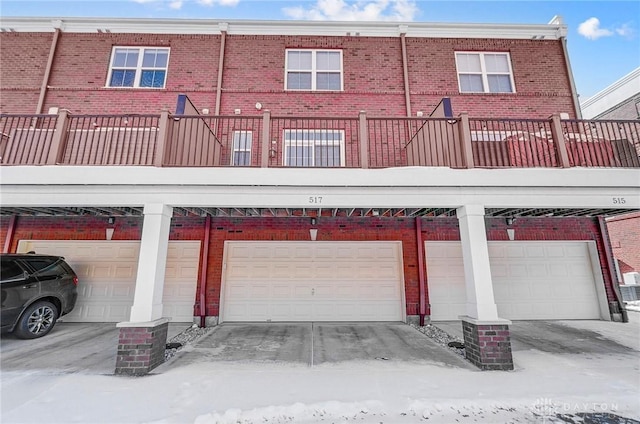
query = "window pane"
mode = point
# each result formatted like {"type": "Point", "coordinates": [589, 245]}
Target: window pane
{"type": "Point", "coordinates": [496, 63]}
{"type": "Point", "coordinates": [10, 270]}
{"type": "Point", "coordinates": [327, 81]}
{"type": "Point", "coordinates": [298, 155]}
{"type": "Point", "coordinates": [122, 78]}
{"type": "Point", "coordinates": [241, 158]}
{"type": "Point", "coordinates": [242, 140]}
{"type": "Point", "coordinates": [468, 62]}
{"type": "Point", "coordinates": [499, 84]}
{"type": "Point", "coordinates": [299, 61]}
{"type": "Point", "coordinates": [328, 61]}
{"type": "Point", "coordinates": [327, 155]}
{"type": "Point", "coordinates": [471, 84]}
{"type": "Point", "coordinates": [149, 58]}
{"type": "Point", "coordinates": [299, 80]}
{"type": "Point", "coordinates": [132, 58]}
{"type": "Point", "coordinates": [152, 79]}
{"type": "Point", "coordinates": [119, 58]}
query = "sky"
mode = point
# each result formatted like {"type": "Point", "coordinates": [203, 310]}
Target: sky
{"type": "Point", "coordinates": [603, 39]}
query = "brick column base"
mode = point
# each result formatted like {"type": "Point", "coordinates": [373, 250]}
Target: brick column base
{"type": "Point", "coordinates": [488, 344]}
{"type": "Point", "coordinates": [141, 346]}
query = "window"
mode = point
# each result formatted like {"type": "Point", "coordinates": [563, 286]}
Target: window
{"type": "Point", "coordinates": [484, 73]}
{"type": "Point", "coordinates": [314, 70]}
{"type": "Point", "coordinates": [241, 153]}
{"type": "Point", "coordinates": [321, 148]}
{"type": "Point", "coordinates": [138, 67]}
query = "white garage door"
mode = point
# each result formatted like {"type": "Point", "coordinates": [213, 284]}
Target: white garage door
{"type": "Point", "coordinates": [531, 280]}
{"type": "Point", "coordinates": [313, 281]}
{"type": "Point", "coordinates": [107, 273]}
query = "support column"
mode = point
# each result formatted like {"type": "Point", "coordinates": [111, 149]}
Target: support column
{"type": "Point", "coordinates": [142, 340]}
{"type": "Point", "coordinates": [486, 336]}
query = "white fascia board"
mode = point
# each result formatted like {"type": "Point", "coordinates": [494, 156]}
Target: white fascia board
{"type": "Point", "coordinates": [241, 27]}
{"type": "Point", "coordinates": [621, 90]}
{"type": "Point", "coordinates": [394, 187]}
{"type": "Point", "coordinates": [303, 177]}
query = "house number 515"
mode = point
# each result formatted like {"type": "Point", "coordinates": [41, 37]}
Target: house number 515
{"type": "Point", "coordinates": [316, 200]}
{"type": "Point", "coordinates": [619, 200]}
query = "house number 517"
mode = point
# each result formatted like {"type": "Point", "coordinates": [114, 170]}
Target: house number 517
{"type": "Point", "coordinates": [316, 200]}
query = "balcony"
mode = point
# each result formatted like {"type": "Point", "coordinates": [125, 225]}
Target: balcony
{"type": "Point", "coordinates": [167, 140]}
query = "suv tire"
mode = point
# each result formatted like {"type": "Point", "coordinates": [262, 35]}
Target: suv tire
{"type": "Point", "coordinates": [37, 320]}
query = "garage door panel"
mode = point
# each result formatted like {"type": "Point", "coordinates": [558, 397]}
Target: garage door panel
{"type": "Point", "coordinates": [531, 280]}
{"type": "Point", "coordinates": [323, 280]}
{"type": "Point", "coordinates": [107, 272]}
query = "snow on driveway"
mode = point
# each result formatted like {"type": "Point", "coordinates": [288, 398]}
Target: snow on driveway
{"type": "Point", "coordinates": [541, 386]}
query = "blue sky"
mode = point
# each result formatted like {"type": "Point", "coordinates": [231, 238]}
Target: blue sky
{"type": "Point", "coordinates": [603, 40]}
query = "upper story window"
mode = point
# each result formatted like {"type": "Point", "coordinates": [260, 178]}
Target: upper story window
{"type": "Point", "coordinates": [484, 72]}
{"type": "Point", "coordinates": [138, 67]}
{"type": "Point", "coordinates": [321, 148]}
{"type": "Point", "coordinates": [241, 152]}
{"type": "Point", "coordinates": [314, 70]}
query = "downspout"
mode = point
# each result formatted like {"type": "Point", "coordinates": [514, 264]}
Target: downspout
{"type": "Point", "coordinates": [8, 241]}
{"type": "Point", "coordinates": [572, 83]}
{"type": "Point", "coordinates": [47, 71]}
{"type": "Point", "coordinates": [223, 40]}
{"type": "Point", "coordinates": [405, 68]}
{"type": "Point", "coordinates": [608, 254]}
{"type": "Point", "coordinates": [422, 287]}
{"type": "Point", "coordinates": [203, 271]}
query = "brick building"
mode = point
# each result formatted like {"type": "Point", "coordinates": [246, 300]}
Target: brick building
{"type": "Point", "coordinates": [311, 171]}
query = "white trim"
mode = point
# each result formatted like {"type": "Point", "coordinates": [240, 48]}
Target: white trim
{"type": "Point", "coordinates": [601, 293]}
{"type": "Point", "coordinates": [484, 74]}
{"type": "Point", "coordinates": [551, 31]}
{"type": "Point", "coordinates": [611, 96]}
{"type": "Point", "coordinates": [139, 68]}
{"type": "Point", "coordinates": [314, 69]}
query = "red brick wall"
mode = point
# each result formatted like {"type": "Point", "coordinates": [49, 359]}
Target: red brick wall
{"type": "Point", "coordinates": [336, 229]}
{"type": "Point", "coordinates": [24, 59]}
{"type": "Point", "coordinates": [624, 233]}
{"type": "Point", "coordinates": [254, 72]}
{"type": "Point", "coordinates": [540, 76]}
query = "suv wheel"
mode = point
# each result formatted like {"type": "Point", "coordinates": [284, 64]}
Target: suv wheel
{"type": "Point", "coordinates": [37, 320]}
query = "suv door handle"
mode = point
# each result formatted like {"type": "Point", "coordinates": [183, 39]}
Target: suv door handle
{"type": "Point", "coordinates": [29, 286]}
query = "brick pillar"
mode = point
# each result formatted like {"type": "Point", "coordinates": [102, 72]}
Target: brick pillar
{"type": "Point", "coordinates": [488, 344]}
{"type": "Point", "coordinates": [141, 346]}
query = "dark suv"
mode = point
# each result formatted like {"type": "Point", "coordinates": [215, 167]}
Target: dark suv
{"type": "Point", "coordinates": [36, 290]}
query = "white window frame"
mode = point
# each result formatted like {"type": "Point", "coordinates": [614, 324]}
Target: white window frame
{"type": "Point", "coordinates": [483, 72]}
{"type": "Point", "coordinates": [139, 68]}
{"type": "Point", "coordinates": [305, 143]}
{"type": "Point", "coordinates": [249, 135]}
{"type": "Point", "coordinates": [314, 71]}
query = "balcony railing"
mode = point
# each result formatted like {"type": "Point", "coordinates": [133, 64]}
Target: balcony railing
{"type": "Point", "coordinates": [331, 142]}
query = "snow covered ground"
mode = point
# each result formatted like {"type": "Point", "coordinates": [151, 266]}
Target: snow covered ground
{"type": "Point", "coordinates": [542, 386]}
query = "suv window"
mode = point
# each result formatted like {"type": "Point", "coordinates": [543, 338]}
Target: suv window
{"type": "Point", "coordinates": [46, 267]}
{"type": "Point", "coordinates": [10, 270]}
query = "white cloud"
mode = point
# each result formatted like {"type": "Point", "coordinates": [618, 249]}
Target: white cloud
{"type": "Point", "coordinates": [177, 4]}
{"type": "Point", "coordinates": [591, 29]}
{"type": "Point", "coordinates": [359, 10]}
{"type": "Point", "coordinates": [220, 2]}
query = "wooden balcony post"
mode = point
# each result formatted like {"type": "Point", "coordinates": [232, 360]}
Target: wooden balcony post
{"type": "Point", "coordinates": [266, 138]}
{"type": "Point", "coordinates": [464, 130]}
{"type": "Point", "coordinates": [163, 138]}
{"type": "Point", "coordinates": [364, 140]}
{"type": "Point", "coordinates": [59, 140]}
{"type": "Point", "coordinates": [558, 138]}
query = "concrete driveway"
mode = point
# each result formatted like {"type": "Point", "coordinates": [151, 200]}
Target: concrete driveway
{"type": "Point", "coordinates": [588, 338]}
{"type": "Point", "coordinates": [70, 348]}
{"type": "Point", "coordinates": [317, 343]}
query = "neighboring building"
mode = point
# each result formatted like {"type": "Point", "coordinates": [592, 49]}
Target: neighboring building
{"type": "Point", "coordinates": [620, 100]}
{"type": "Point", "coordinates": [310, 171]}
